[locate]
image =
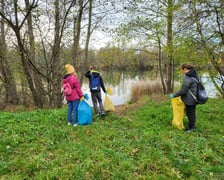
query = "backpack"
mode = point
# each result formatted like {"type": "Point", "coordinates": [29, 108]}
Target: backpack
{"type": "Point", "coordinates": [67, 89]}
{"type": "Point", "coordinates": [95, 83]}
{"type": "Point", "coordinates": [201, 97]}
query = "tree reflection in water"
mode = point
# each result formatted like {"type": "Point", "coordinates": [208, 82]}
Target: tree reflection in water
{"type": "Point", "coordinates": [121, 82]}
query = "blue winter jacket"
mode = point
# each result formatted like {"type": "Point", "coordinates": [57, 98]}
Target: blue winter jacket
{"type": "Point", "coordinates": [88, 74]}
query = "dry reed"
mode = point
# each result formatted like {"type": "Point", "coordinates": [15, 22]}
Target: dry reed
{"type": "Point", "coordinates": [145, 87]}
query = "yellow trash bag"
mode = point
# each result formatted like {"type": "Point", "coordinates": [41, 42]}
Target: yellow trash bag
{"type": "Point", "coordinates": [109, 91]}
{"type": "Point", "coordinates": [178, 112]}
{"type": "Point", "coordinates": [108, 105]}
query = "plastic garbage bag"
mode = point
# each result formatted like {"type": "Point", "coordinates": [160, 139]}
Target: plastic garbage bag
{"type": "Point", "coordinates": [85, 113]}
{"type": "Point", "coordinates": [109, 91]}
{"type": "Point", "coordinates": [86, 96]}
{"type": "Point", "coordinates": [178, 112]}
{"type": "Point", "coordinates": [108, 105]}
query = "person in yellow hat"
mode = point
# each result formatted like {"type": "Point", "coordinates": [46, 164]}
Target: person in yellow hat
{"type": "Point", "coordinates": [95, 85]}
{"type": "Point", "coordinates": [73, 93]}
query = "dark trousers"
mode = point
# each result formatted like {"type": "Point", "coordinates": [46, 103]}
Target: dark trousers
{"type": "Point", "coordinates": [190, 112]}
{"type": "Point", "coordinates": [96, 98]}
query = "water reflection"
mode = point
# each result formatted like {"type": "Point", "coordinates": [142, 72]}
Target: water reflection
{"type": "Point", "coordinates": [121, 82]}
{"type": "Point", "coordinates": [209, 86]}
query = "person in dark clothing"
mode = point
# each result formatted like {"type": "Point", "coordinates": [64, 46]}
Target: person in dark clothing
{"type": "Point", "coordinates": [189, 84]}
{"type": "Point", "coordinates": [95, 85]}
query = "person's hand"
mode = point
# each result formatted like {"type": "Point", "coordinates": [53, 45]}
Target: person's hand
{"type": "Point", "coordinates": [171, 96]}
{"type": "Point", "coordinates": [82, 98]}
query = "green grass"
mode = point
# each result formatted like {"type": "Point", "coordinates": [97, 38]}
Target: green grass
{"type": "Point", "coordinates": [141, 145]}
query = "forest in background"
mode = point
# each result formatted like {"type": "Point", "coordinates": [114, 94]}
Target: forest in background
{"type": "Point", "coordinates": [37, 38]}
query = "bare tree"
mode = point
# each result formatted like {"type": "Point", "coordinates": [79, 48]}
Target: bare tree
{"type": "Point", "coordinates": [88, 35]}
{"type": "Point", "coordinates": [6, 74]}
{"type": "Point", "coordinates": [152, 24]}
{"type": "Point", "coordinates": [55, 63]}
{"type": "Point", "coordinates": [77, 30]}
{"type": "Point", "coordinates": [206, 21]}
{"type": "Point", "coordinates": [170, 69]}
{"type": "Point", "coordinates": [31, 52]}
{"type": "Point", "coordinates": [17, 21]}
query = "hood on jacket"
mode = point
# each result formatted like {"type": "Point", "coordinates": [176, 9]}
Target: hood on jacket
{"type": "Point", "coordinates": [192, 73]}
{"type": "Point", "coordinates": [68, 78]}
{"type": "Point", "coordinates": [65, 76]}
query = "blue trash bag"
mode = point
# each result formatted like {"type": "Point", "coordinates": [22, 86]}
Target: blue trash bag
{"type": "Point", "coordinates": [86, 96]}
{"type": "Point", "coordinates": [85, 113]}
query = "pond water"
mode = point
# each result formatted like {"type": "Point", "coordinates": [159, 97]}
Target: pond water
{"type": "Point", "coordinates": [121, 84]}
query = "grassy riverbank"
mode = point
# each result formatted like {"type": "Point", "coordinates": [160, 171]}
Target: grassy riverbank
{"type": "Point", "coordinates": [138, 142]}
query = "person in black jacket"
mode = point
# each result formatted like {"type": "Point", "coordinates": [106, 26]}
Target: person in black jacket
{"type": "Point", "coordinates": [95, 85]}
{"type": "Point", "coordinates": [189, 86]}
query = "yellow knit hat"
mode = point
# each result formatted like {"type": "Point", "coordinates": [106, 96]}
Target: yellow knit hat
{"type": "Point", "coordinates": [69, 68]}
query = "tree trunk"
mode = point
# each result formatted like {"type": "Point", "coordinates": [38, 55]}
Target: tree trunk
{"type": "Point", "coordinates": [9, 83]}
{"type": "Point", "coordinates": [170, 46]}
{"type": "Point", "coordinates": [23, 54]}
{"type": "Point", "coordinates": [160, 66]}
{"type": "Point", "coordinates": [76, 33]}
{"type": "Point", "coordinates": [55, 61]}
{"type": "Point", "coordinates": [208, 52]}
{"type": "Point", "coordinates": [55, 65]}
{"type": "Point", "coordinates": [84, 64]}
{"type": "Point", "coordinates": [35, 76]}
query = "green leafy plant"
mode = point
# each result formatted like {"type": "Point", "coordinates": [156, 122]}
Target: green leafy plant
{"type": "Point", "coordinates": [141, 144]}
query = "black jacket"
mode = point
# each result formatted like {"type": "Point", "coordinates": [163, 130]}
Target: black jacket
{"type": "Point", "coordinates": [88, 74]}
{"type": "Point", "coordinates": [188, 84]}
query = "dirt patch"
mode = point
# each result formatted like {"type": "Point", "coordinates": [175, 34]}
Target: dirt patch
{"type": "Point", "coordinates": [122, 110]}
